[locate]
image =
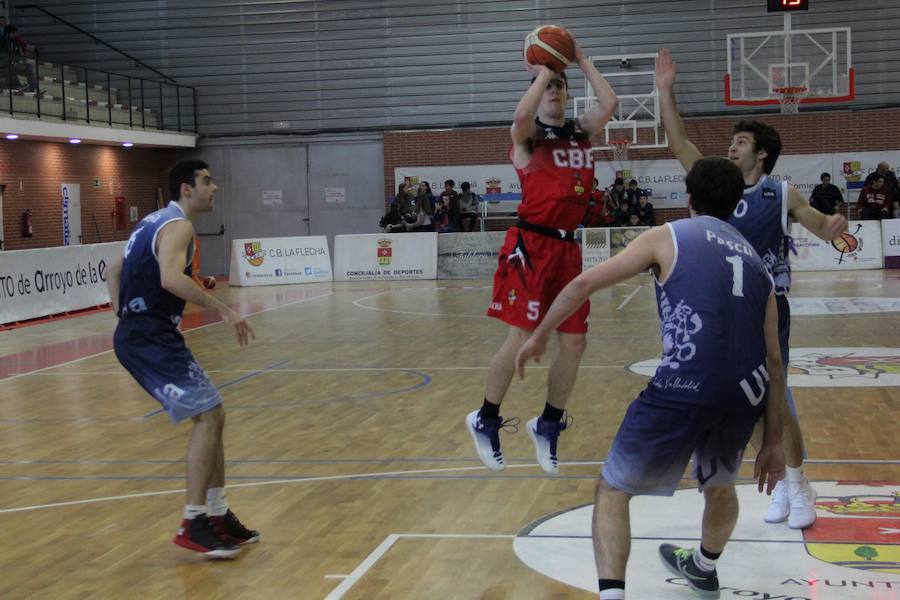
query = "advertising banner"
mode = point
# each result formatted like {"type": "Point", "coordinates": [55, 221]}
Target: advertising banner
{"type": "Point", "coordinates": [468, 255]}
{"type": "Point", "coordinates": [890, 243]}
{"type": "Point", "coordinates": [858, 248]}
{"type": "Point", "coordinates": [594, 246]}
{"type": "Point", "coordinates": [388, 256]}
{"type": "Point", "coordinates": [662, 179]}
{"type": "Point", "coordinates": [278, 261]}
{"type": "Point", "coordinates": [47, 281]}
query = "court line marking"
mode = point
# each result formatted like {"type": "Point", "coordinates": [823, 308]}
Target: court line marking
{"type": "Point", "coordinates": [337, 369]}
{"type": "Point", "coordinates": [382, 461]}
{"type": "Point", "coordinates": [358, 304]}
{"type": "Point", "coordinates": [350, 476]}
{"type": "Point", "coordinates": [272, 482]}
{"type": "Point", "coordinates": [629, 297]}
{"type": "Point", "coordinates": [250, 314]}
{"type": "Point", "coordinates": [383, 548]}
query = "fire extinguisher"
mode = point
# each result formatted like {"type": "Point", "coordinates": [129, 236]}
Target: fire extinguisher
{"type": "Point", "coordinates": [27, 224]}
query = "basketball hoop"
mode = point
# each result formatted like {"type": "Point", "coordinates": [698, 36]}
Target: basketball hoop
{"type": "Point", "coordinates": [619, 149]}
{"type": "Point", "coordinates": [790, 98]}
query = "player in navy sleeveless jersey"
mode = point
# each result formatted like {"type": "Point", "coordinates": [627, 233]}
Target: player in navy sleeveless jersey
{"type": "Point", "coordinates": [720, 371]}
{"type": "Point", "coordinates": [762, 216]}
{"type": "Point", "coordinates": [149, 285]}
{"type": "Point", "coordinates": [553, 159]}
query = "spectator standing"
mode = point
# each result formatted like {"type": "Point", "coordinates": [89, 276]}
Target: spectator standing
{"type": "Point", "coordinates": [876, 200]}
{"type": "Point", "coordinates": [826, 197]}
{"type": "Point", "coordinates": [596, 214]}
{"type": "Point", "coordinates": [17, 48]}
{"type": "Point", "coordinates": [617, 192]}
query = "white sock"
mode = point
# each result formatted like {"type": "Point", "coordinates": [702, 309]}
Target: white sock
{"type": "Point", "coordinates": [218, 505]}
{"type": "Point", "coordinates": [794, 474]}
{"type": "Point", "coordinates": [706, 565]}
{"type": "Point", "coordinates": [612, 594]}
{"type": "Point", "coordinates": [193, 510]}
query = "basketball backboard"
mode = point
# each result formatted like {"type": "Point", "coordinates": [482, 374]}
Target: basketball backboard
{"type": "Point", "coordinates": [637, 119]}
{"type": "Point", "coordinates": [760, 63]}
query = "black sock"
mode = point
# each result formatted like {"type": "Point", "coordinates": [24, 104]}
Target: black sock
{"type": "Point", "coordinates": [710, 555]}
{"type": "Point", "coordinates": [551, 413]}
{"type": "Point", "coordinates": [489, 410]}
{"type": "Point", "coordinates": [611, 584]}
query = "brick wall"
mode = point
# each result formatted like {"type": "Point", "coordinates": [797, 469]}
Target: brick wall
{"type": "Point", "coordinates": [804, 133]}
{"type": "Point", "coordinates": [31, 173]}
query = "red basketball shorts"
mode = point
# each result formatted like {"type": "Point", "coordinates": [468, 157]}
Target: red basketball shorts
{"type": "Point", "coordinates": [533, 269]}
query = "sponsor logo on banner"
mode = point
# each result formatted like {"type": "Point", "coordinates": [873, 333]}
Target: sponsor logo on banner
{"type": "Point", "coordinates": [850, 553]}
{"type": "Point", "coordinates": [492, 185]}
{"type": "Point", "coordinates": [384, 252]}
{"type": "Point", "coordinates": [890, 230]}
{"type": "Point", "coordinates": [852, 170]}
{"type": "Point", "coordinates": [253, 252]}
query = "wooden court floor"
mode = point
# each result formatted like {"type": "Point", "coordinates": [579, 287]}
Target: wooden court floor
{"type": "Point", "coordinates": [346, 446]}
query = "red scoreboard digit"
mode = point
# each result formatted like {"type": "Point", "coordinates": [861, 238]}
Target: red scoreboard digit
{"type": "Point", "coordinates": [788, 5]}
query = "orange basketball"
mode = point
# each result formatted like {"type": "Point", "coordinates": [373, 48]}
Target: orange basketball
{"type": "Point", "coordinates": [550, 45]}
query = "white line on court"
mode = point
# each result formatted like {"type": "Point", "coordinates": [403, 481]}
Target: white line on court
{"type": "Point", "coordinates": [382, 549]}
{"type": "Point", "coordinates": [629, 297]}
{"type": "Point", "coordinates": [336, 576]}
{"type": "Point", "coordinates": [250, 314]}
{"type": "Point", "coordinates": [334, 370]}
{"type": "Point", "coordinates": [274, 482]}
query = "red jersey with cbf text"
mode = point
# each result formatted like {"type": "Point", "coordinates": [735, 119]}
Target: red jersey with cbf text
{"type": "Point", "coordinates": [556, 184]}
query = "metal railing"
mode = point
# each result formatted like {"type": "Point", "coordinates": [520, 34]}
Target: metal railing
{"type": "Point", "coordinates": [57, 19]}
{"type": "Point", "coordinates": [73, 93]}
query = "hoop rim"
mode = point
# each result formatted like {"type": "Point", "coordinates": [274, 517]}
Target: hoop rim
{"type": "Point", "coordinates": [621, 143]}
{"type": "Point", "coordinates": [795, 89]}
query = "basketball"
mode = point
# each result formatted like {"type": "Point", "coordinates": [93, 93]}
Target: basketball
{"type": "Point", "coordinates": [550, 45]}
{"type": "Point", "coordinates": [209, 282]}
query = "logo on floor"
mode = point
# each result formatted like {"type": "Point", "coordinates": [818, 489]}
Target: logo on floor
{"type": "Point", "coordinates": [851, 553]}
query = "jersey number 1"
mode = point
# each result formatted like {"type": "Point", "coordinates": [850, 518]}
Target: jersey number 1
{"type": "Point", "coordinates": [737, 268]}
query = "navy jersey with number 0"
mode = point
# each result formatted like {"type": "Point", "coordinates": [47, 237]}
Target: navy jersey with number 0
{"type": "Point", "coordinates": [762, 217]}
{"type": "Point", "coordinates": [141, 295]}
{"type": "Point", "coordinates": [712, 309]}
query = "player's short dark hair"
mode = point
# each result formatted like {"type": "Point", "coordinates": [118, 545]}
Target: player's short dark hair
{"type": "Point", "coordinates": [465, 186]}
{"type": "Point", "coordinates": [184, 171]}
{"type": "Point", "coordinates": [560, 75]}
{"type": "Point", "coordinates": [876, 176]}
{"type": "Point", "coordinates": [824, 175]}
{"type": "Point", "coordinates": [633, 181]}
{"type": "Point", "coordinates": [765, 137]}
{"type": "Point", "coordinates": [715, 186]}
{"type": "Point", "coordinates": [619, 181]}
{"type": "Point", "coordinates": [449, 182]}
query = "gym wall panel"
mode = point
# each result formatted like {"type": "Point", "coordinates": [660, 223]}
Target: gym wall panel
{"type": "Point", "coordinates": [303, 66]}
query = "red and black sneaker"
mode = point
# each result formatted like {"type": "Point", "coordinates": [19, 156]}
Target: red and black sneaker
{"type": "Point", "coordinates": [197, 534]}
{"type": "Point", "coordinates": [229, 528]}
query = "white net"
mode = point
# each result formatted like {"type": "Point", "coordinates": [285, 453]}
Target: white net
{"type": "Point", "coordinates": [790, 98]}
{"type": "Point", "coordinates": [619, 149]}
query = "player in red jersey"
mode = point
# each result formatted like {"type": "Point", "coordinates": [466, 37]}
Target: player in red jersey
{"type": "Point", "coordinates": [552, 156]}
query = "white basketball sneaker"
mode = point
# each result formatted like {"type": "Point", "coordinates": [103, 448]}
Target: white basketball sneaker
{"type": "Point", "coordinates": [803, 504]}
{"type": "Point", "coordinates": [780, 507]}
